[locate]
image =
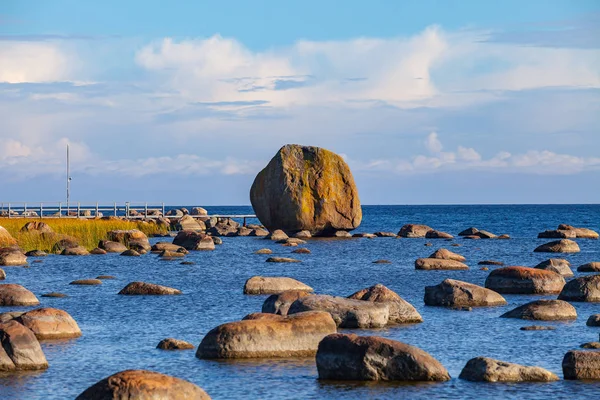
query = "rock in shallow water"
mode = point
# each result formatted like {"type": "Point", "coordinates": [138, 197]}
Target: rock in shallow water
{"type": "Point", "coordinates": [524, 280]}
{"type": "Point", "coordinates": [558, 246]}
{"type": "Point", "coordinates": [143, 385]}
{"type": "Point", "coordinates": [144, 288]}
{"type": "Point", "coordinates": [580, 364]}
{"type": "Point", "coordinates": [537, 328]}
{"type": "Point", "coordinates": [86, 282]}
{"type": "Point", "coordinates": [593, 266]}
{"type": "Point", "coordinates": [373, 358]}
{"type": "Point", "coordinates": [12, 257]}
{"type": "Point", "coordinates": [401, 311]}
{"type": "Point", "coordinates": [543, 310]}
{"type": "Point", "coordinates": [174, 344]}
{"type": "Point", "coordinates": [414, 231]}
{"type": "Point", "coordinates": [12, 294]}
{"type": "Point", "coordinates": [484, 369]}
{"type": "Point", "coordinates": [48, 323]}
{"type": "Point", "coordinates": [454, 293]}
{"type": "Point", "coordinates": [593, 320]}
{"type": "Point", "coordinates": [268, 335]}
{"type": "Point", "coordinates": [444, 254]}
{"type": "Point", "coordinates": [585, 289]}
{"type": "Point", "coordinates": [441, 264]}
{"type": "Point", "coordinates": [558, 265]}
{"type": "Point", "coordinates": [306, 188]}
{"type": "Point", "coordinates": [20, 348]}
{"type": "Point", "coordinates": [280, 303]}
{"type": "Point", "coordinates": [273, 285]}
{"type": "Point", "coordinates": [282, 260]}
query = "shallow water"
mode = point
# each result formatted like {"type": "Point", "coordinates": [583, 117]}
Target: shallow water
{"type": "Point", "coordinates": [121, 332]}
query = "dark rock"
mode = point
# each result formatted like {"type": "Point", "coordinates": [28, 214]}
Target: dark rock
{"type": "Point", "coordinates": [586, 289]}
{"type": "Point", "coordinates": [523, 280]}
{"type": "Point", "coordinates": [453, 293]}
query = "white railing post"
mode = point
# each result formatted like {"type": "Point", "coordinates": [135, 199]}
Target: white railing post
{"type": "Point", "coordinates": [146, 210]}
{"type": "Point", "coordinates": [59, 209]}
{"type": "Point", "coordinates": [96, 210]}
{"type": "Point", "coordinates": [41, 210]}
{"type": "Point", "coordinates": [9, 213]}
{"type": "Point", "coordinates": [78, 209]}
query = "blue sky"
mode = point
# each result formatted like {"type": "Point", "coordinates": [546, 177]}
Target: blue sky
{"type": "Point", "coordinates": [184, 102]}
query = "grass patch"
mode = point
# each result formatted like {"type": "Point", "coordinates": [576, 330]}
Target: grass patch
{"type": "Point", "coordinates": [88, 232]}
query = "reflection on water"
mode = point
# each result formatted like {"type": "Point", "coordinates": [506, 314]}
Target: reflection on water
{"type": "Point", "coordinates": [121, 332]}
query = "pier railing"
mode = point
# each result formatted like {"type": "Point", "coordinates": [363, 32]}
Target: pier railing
{"type": "Point", "coordinates": [93, 210]}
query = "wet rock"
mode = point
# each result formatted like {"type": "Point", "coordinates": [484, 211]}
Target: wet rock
{"type": "Point", "coordinates": [55, 294]}
{"type": "Point", "coordinates": [280, 303]}
{"type": "Point", "coordinates": [105, 277]}
{"type": "Point", "coordinates": [414, 231]}
{"type": "Point", "coordinates": [433, 234]}
{"type": "Point", "coordinates": [591, 345]}
{"type": "Point", "coordinates": [342, 234]}
{"type": "Point", "coordinates": [544, 310]}
{"type": "Point", "coordinates": [586, 289]}
{"type": "Point", "coordinates": [454, 293]}
{"type": "Point", "coordinates": [98, 251]}
{"type": "Point", "coordinates": [264, 251]}
{"type": "Point", "coordinates": [259, 232]}
{"type": "Point", "coordinates": [428, 244]}
{"type": "Point", "coordinates": [364, 235]}
{"type": "Point", "coordinates": [382, 262]}
{"type": "Point", "coordinates": [133, 239]}
{"type": "Point", "coordinates": [86, 282]}
{"type": "Point", "coordinates": [557, 234]}
{"type": "Point", "coordinates": [143, 385]}
{"type": "Point", "coordinates": [144, 288]}
{"type": "Point", "coordinates": [217, 240]}
{"type": "Point", "coordinates": [485, 234]}
{"type": "Point", "coordinates": [12, 294]}
{"type": "Point", "coordinates": [282, 260]}
{"type": "Point", "coordinates": [503, 237]}
{"type": "Point", "coordinates": [295, 335]}
{"type": "Point", "coordinates": [12, 257]}
{"type": "Point", "coordinates": [580, 364]}
{"type": "Point", "coordinates": [278, 236]}
{"type": "Point", "coordinates": [437, 263]}
{"type": "Point", "coordinates": [558, 246]}
{"type": "Point", "coordinates": [523, 280]}
{"type": "Point", "coordinates": [537, 328]}
{"type": "Point", "coordinates": [303, 235]}
{"type": "Point", "coordinates": [484, 369]}
{"type": "Point", "coordinates": [347, 313]}
{"type": "Point", "coordinates": [373, 358]}
{"type": "Point", "coordinates": [20, 349]}
{"type": "Point", "coordinates": [302, 250]}
{"type": "Point", "coordinates": [130, 253]}
{"type": "Point", "coordinates": [490, 262]}
{"type": "Point", "coordinates": [36, 253]}
{"type": "Point", "coordinates": [272, 285]}
{"type": "Point", "coordinates": [112, 247]}
{"type": "Point", "coordinates": [174, 344]}
{"type": "Point", "coordinates": [75, 251]}
{"type": "Point", "coordinates": [593, 320]}
{"type": "Point", "coordinates": [162, 246]}
{"type": "Point", "coordinates": [171, 254]}
{"type": "Point", "coordinates": [191, 240]}
{"type": "Point", "coordinates": [400, 311]}
{"type": "Point", "coordinates": [6, 239]}
{"type": "Point", "coordinates": [385, 234]}
{"type": "Point", "coordinates": [48, 323]}
{"type": "Point", "coordinates": [444, 254]}
{"type": "Point", "coordinates": [306, 188]}
{"type": "Point", "coordinates": [558, 265]}
{"type": "Point", "coordinates": [593, 266]}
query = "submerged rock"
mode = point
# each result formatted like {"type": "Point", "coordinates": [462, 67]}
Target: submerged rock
{"type": "Point", "coordinates": [414, 231]}
{"type": "Point", "coordinates": [484, 369]}
{"type": "Point", "coordinates": [437, 263]}
{"type": "Point", "coordinates": [558, 246]}
{"type": "Point", "coordinates": [273, 285]}
{"type": "Point", "coordinates": [143, 385]}
{"type": "Point", "coordinates": [444, 254]}
{"type": "Point", "coordinates": [55, 294]}
{"type": "Point", "coordinates": [12, 294]}
{"type": "Point", "coordinates": [579, 364]}
{"type": "Point", "coordinates": [543, 310]}
{"type": "Point", "coordinates": [400, 311]}
{"type": "Point", "coordinates": [453, 293]}
{"type": "Point", "coordinates": [524, 280]}
{"type": "Point", "coordinates": [264, 251]}
{"type": "Point", "coordinates": [86, 282]}
{"type": "Point", "coordinates": [306, 188]}
{"type": "Point", "coordinates": [490, 262]}
{"type": "Point", "coordinates": [144, 288]}
{"type": "Point", "coordinates": [302, 250]}
{"type": "Point", "coordinates": [347, 313]}
{"type": "Point", "coordinates": [282, 260]}
{"type": "Point", "coordinates": [174, 344]}
{"type": "Point", "coordinates": [373, 358]}
{"type": "Point", "coordinates": [268, 335]}
{"type": "Point", "coordinates": [586, 288]}
{"type": "Point", "coordinates": [280, 303]}
{"type": "Point", "coordinates": [20, 348]}
{"type": "Point", "coordinates": [537, 328]}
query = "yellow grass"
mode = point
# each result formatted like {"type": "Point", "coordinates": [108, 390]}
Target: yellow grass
{"type": "Point", "coordinates": [88, 232]}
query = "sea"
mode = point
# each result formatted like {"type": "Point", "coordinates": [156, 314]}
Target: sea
{"type": "Point", "coordinates": [121, 332]}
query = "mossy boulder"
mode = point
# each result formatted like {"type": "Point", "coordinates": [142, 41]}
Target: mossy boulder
{"type": "Point", "coordinates": [306, 188]}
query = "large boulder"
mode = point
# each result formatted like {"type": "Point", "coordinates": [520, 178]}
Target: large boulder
{"type": "Point", "coordinates": [484, 369]}
{"type": "Point", "coordinates": [586, 288]}
{"type": "Point", "coordinates": [12, 294]}
{"type": "Point", "coordinates": [112, 247]}
{"type": "Point", "coordinates": [593, 266]}
{"type": "Point", "coordinates": [143, 385]}
{"type": "Point", "coordinates": [277, 235]}
{"type": "Point", "coordinates": [268, 335]}
{"type": "Point", "coordinates": [373, 358]}
{"type": "Point", "coordinates": [273, 285]}
{"type": "Point", "coordinates": [20, 349]}
{"type": "Point", "coordinates": [573, 232]}
{"type": "Point", "coordinates": [280, 303]}
{"type": "Point", "coordinates": [414, 231]}
{"type": "Point", "coordinates": [543, 310]}
{"type": "Point", "coordinates": [558, 246]}
{"type": "Point", "coordinates": [401, 311]}
{"type": "Point", "coordinates": [188, 222]}
{"type": "Point", "coordinates": [453, 293]}
{"type": "Point", "coordinates": [133, 239]}
{"type": "Point", "coordinates": [6, 239]}
{"type": "Point", "coordinates": [445, 254]}
{"type": "Point", "coordinates": [192, 240]}
{"type": "Point", "coordinates": [558, 265]}
{"type": "Point", "coordinates": [523, 280]}
{"type": "Point", "coordinates": [347, 313]}
{"type": "Point", "coordinates": [439, 263]}
{"type": "Point", "coordinates": [306, 188]}
{"type": "Point", "coordinates": [47, 323]}
{"type": "Point", "coordinates": [12, 256]}
{"type": "Point", "coordinates": [580, 364]}
{"type": "Point", "coordinates": [36, 226]}
{"type": "Point", "coordinates": [144, 288]}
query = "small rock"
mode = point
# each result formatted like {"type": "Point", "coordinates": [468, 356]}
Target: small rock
{"type": "Point", "coordinates": [593, 320]}
{"type": "Point", "coordinates": [428, 244]}
{"type": "Point", "coordinates": [444, 254]}
{"type": "Point", "coordinates": [414, 231]}
{"type": "Point", "coordinates": [433, 234]}
{"type": "Point", "coordinates": [302, 250]}
{"type": "Point", "coordinates": [143, 288]}
{"type": "Point", "coordinates": [105, 277]}
{"type": "Point", "coordinates": [187, 263]}
{"type": "Point", "coordinates": [484, 369]}
{"type": "Point", "coordinates": [112, 247]}
{"type": "Point", "coordinates": [558, 246]}
{"type": "Point", "coordinates": [290, 244]}
{"type": "Point", "coordinates": [86, 282]}
{"type": "Point", "coordinates": [537, 328]}
{"type": "Point", "coordinates": [273, 285]}
{"type": "Point", "coordinates": [469, 232]}
{"type": "Point", "coordinates": [171, 254]}
{"type": "Point", "coordinates": [174, 344]}
{"type": "Point", "coordinates": [10, 256]}
{"type": "Point", "coordinates": [593, 266]}
{"type": "Point", "coordinates": [342, 234]}
{"type": "Point", "coordinates": [490, 262]}
{"type": "Point", "coordinates": [36, 253]}
{"type": "Point", "coordinates": [544, 310]}
{"type": "Point", "coordinates": [385, 234]}
{"type": "Point", "coordinates": [303, 235]}
{"type": "Point", "coordinates": [282, 260]}
{"type": "Point", "coordinates": [55, 294]}
{"type": "Point", "coordinates": [130, 253]}
{"type": "Point", "coordinates": [277, 235]}
{"type": "Point", "coordinates": [98, 251]}
{"type": "Point", "coordinates": [382, 262]}
{"type": "Point", "coordinates": [436, 263]}
{"type": "Point", "coordinates": [591, 345]}
{"type": "Point", "coordinates": [264, 251]}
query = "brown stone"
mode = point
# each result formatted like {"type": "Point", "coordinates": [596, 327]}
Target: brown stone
{"type": "Point", "coordinates": [591, 345]}
{"type": "Point", "coordinates": [586, 288]}
{"type": "Point", "coordinates": [444, 254]}
{"type": "Point", "coordinates": [6, 239]}
{"type": "Point", "coordinates": [280, 303]}
{"type": "Point", "coordinates": [373, 358]}
{"type": "Point", "coordinates": [302, 250]}
{"type": "Point", "coordinates": [414, 231]}
{"type": "Point", "coordinates": [593, 266]}
{"type": "Point", "coordinates": [144, 288]}
{"type": "Point", "coordinates": [485, 234]}
{"type": "Point", "coordinates": [273, 285]}
{"type": "Point", "coordinates": [49, 323]}
{"type": "Point", "coordinates": [282, 260]}
{"type": "Point", "coordinates": [558, 246]}
{"type": "Point", "coordinates": [86, 282]}
{"type": "Point", "coordinates": [579, 364]}
{"type": "Point", "coordinates": [75, 251]}
{"type": "Point", "coordinates": [385, 234]}
{"type": "Point", "coordinates": [98, 251]}
{"type": "Point", "coordinates": [306, 188]}
{"type": "Point", "coordinates": [20, 349]}
{"type": "Point", "coordinates": [484, 369]}
{"type": "Point", "coordinates": [112, 247]}
{"type": "Point", "coordinates": [557, 234]}
{"type": "Point", "coordinates": [133, 239]}
{"type": "Point", "coordinates": [490, 262]}
{"type": "Point", "coordinates": [433, 234]}
{"type": "Point", "coordinates": [264, 251]}
{"type": "Point", "coordinates": [174, 344]}
{"type": "Point", "coordinates": [130, 253]}
{"type": "Point", "coordinates": [192, 240]}
{"type": "Point", "coordinates": [12, 294]}
{"type": "Point", "coordinates": [143, 385]}
{"type": "Point", "coordinates": [55, 294]}
{"type": "Point", "coordinates": [543, 310]}
{"type": "Point", "coordinates": [437, 263]}
{"type": "Point", "coordinates": [469, 232]}
{"type": "Point", "coordinates": [162, 246]}
{"type": "Point", "coordinates": [454, 293]}
{"type": "Point", "coordinates": [558, 265]}
{"type": "Point", "coordinates": [537, 328]}
{"type": "Point", "coordinates": [523, 280]}
{"type": "Point", "coordinates": [36, 226]}
{"type": "Point", "coordinates": [400, 311]}
{"type": "Point", "coordinates": [12, 257]}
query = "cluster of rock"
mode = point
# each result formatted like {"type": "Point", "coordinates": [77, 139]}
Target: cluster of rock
{"type": "Point", "coordinates": [565, 231]}
{"type": "Point", "coordinates": [442, 259]}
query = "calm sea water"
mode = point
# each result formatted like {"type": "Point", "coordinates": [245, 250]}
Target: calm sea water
{"type": "Point", "coordinates": [121, 332]}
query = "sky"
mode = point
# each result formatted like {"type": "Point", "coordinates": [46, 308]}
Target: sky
{"type": "Point", "coordinates": [184, 102]}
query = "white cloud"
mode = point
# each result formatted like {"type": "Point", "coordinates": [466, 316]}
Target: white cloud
{"type": "Point", "coordinates": [34, 62]}
{"type": "Point", "coordinates": [432, 143]}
